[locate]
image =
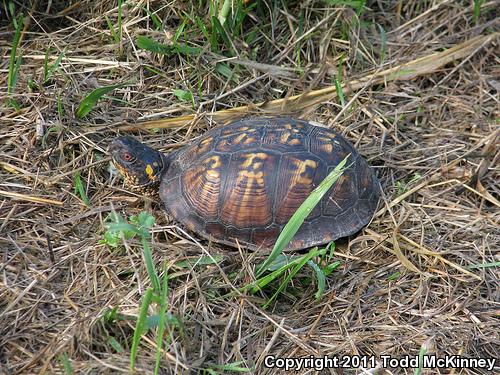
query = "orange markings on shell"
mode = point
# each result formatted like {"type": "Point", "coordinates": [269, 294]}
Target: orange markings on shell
{"type": "Point", "coordinates": [247, 200]}
{"type": "Point", "coordinates": [204, 184]}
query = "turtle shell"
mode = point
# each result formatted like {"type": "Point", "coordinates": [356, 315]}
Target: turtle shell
{"type": "Point", "coordinates": [242, 182]}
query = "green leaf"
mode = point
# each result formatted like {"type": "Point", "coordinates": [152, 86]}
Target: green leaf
{"type": "Point", "coordinates": [183, 95]}
{"type": "Point", "coordinates": [79, 189]}
{"type": "Point", "coordinates": [150, 267]}
{"type": "Point", "coordinates": [393, 276]}
{"type": "Point", "coordinates": [153, 46]}
{"type": "Point", "coordinates": [224, 12]}
{"type": "Point", "coordinates": [231, 367]}
{"type": "Point", "coordinates": [115, 344]}
{"type": "Point", "coordinates": [225, 70]}
{"type": "Point", "coordinates": [91, 99]}
{"type": "Point", "coordinates": [320, 276]}
{"type": "Point", "coordinates": [302, 212]}
{"type": "Point", "coordinates": [202, 27]}
{"type": "Point", "coordinates": [146, 220]}
{"type": "Point", "coordinates": [329, 268]}
{"type": "Point", "coordinates": [179, 31]}
{"type": "Point", "coordinates": [140, 326]}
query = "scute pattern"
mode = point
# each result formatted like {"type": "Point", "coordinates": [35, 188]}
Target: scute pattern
{"type": "Point", "coordinates": [204, 181]}
{"type": "Point", "coordinates": [244, 181]}
{"type": "Point", "coordinates": [248, 198]}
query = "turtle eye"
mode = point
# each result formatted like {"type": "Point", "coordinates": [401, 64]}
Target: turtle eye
{"type": "Point", "coordinates": [127, 156]}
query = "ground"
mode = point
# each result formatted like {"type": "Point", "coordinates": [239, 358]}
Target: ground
{"type": "Point", "coordinates": [423, 275]}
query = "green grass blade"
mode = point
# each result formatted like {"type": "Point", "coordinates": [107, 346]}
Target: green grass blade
{"type": "Point", "coordinates": [338, 83]}
{"type": "Point", "coordinates": [231, 367]}
{"type": "Point", "coordinates": [14, 60]}
{"type": "Point", "coordinates": [264, 280]}
{"type": "Point", "coordinates": [55, 66]}
{"type": "Point", "coordinates": [152, 45]}
{"type": "Point", "coordinates": [79, 189]}
{"type": "Point", "coordinates": [179, 31]}
{"type": "Point", "coordinates": [161, 325]}
{"type": "Point", "coordinates": [119, 26]}
{"type": "Point", "coordinates": [202, 27]}
{"type": "Point", "coordinates": [320, 276]}
{"type": "Point", "coordinates": [46, 66]}
{"type": "Point", "coordinates": [111, 28]}
{"type": "Point", "coordinates": [224, 12]}
{"type": "Point", "coordinates": [156, 20]}
{"type": "Point", "coordinates": [484, 265]}
{"type": "Point", "coordinates": [60, 110]}
{"type": "Point", "coordinates": [383, 43]}
{"type": "Point", "coordinates": [115, 344]}
{"type": "Point", "coordinates": [422, 352]}
{"type": "Point", "coordinates": [302, 212]}
{"type": "Point", "coordinates": [220, 31]}
{"type": "Point", "coordinates": [148, 259]}
{"type": "Point", "coordinates": [302, 261]}
{"type": "Point", "coordinates": [140, 326]}
{"type": "Point", "coordinates": [91, 99]}
{"type": "Point", "coordinates": [226, 71]}
{"type": "Point", "coordinates": [476, 11]}
{"type": "Point", "coordinates": [68, 368]}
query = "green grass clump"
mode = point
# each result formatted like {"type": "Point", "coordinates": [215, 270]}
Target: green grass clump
{"type": "Point", "coordinates": [50, 69]}
{"type": "Point", "coordinates": [280, 264]}
{"type": "Point", "coordinates": [117, 230]}
{"type": "Point", "coordinates": [14, 61]}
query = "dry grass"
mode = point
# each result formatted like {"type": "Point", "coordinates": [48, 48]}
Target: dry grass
{"type": "Point", "coordinates": [405, 280]}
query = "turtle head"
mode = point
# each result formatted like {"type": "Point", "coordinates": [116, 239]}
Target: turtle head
{"type": "Point", "coordinates": [141, 166]}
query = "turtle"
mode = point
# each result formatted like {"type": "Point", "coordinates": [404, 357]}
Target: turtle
{"type": "Point", "coordinates": [239, 184]}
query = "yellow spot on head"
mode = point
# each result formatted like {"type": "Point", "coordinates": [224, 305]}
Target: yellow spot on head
{"type": "Point", "coordinates": [149, 171]}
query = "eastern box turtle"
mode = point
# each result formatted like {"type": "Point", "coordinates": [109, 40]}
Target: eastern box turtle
{"type": "Point", "coordinates": [245, 180]}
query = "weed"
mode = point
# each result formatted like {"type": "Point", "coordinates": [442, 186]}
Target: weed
{"type": "Point", "coordinates": [476, 10]}
{"type": "Point", "coordinates": [14, 61]}
{"type": "Point", "coordinates": [234, 367]}
{"type": "Point", "coordinates": [79, 189]}
{"type": "Point", "coordinates": [50, 69]}
{"type": "Point", "coordinates": [402, 187]}
{"type": "Point", "coordinates": [91, 99]}
{"type": "Point", "coordinates": [184, 96]}
{"type": "Point", "coordinates": [68, 368]}
{"type": "Point", "coordinates": [117, 230]}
